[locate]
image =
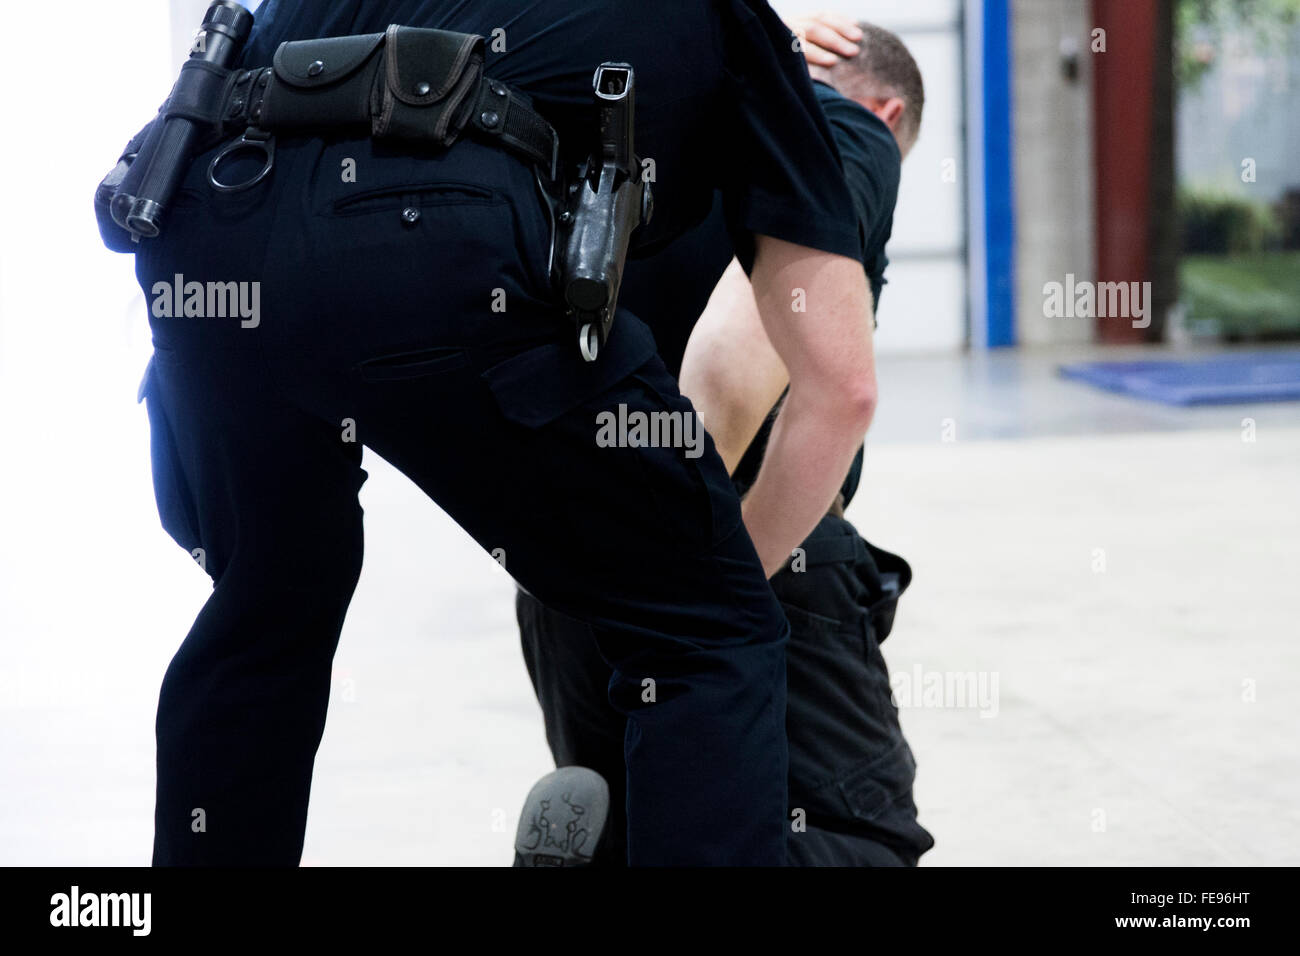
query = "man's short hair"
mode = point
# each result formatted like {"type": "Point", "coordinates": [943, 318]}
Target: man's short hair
{"type": "Point", "coordinates": [884, 68]}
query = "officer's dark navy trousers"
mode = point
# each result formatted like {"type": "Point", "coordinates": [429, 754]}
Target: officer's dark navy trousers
{"type": "Point", "coordinates": [851, 770]}
{"type": "Point", "coordinates": [409, 311]}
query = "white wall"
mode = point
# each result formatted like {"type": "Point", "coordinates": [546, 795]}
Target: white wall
{"type": "Point", "coordinates": [923, 307]}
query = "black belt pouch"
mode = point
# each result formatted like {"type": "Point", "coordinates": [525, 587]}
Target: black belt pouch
{"type": "Point", "coordinates": [407, 84]}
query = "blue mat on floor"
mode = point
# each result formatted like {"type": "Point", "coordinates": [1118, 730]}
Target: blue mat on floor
{"type": "Point", "coordinates": [1261, 377]}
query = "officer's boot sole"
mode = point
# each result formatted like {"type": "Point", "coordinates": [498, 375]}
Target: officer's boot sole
{"type": "Point", "coordinates": [563, 820]}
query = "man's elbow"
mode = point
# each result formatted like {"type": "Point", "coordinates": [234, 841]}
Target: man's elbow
{"type": "Point", "coordinates": [844, 403]}
{"type": "Point", "coordinates": [858, 403]}
{"type": "Point", "coordinates": [844, 388]}
{"type": "Point", "coordinates": [848, 382]}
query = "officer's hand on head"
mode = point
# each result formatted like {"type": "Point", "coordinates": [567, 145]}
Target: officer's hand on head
{"type": "Point", "coordinates": [826, 38]}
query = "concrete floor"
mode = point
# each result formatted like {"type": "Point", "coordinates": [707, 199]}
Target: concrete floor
{"type": "Point", "coordinates": [1113, 581]}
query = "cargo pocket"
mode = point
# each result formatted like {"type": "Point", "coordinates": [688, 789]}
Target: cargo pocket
{"type": "Point", "coordinates": [176, 507]}
{"type": "Point", "coordinates": [871, 791]}
{"type": "Point", "coordinates": [590, 405]}
{"type": "Point", "coordinates": [877, 797]}
{"type": "Point", "coordinates": [542, 383]}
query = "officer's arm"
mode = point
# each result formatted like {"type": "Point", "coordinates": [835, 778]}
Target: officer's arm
{"type": "Point", "coordinates": [730, 371]}
{"type": "Point", "coordinates": [827, 349]}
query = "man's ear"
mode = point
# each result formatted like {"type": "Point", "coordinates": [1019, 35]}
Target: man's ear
{"type": "Point", "coordinates": [891, 111]}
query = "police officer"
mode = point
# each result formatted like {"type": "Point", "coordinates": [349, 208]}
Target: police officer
{"type": "Point", "coordinates": [377, 325]}
{"type": "Point", "coordinates": [851, 769]}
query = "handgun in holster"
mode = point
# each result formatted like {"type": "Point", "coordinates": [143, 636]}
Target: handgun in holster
{"type": "Point", "coordinates": [607, 200]}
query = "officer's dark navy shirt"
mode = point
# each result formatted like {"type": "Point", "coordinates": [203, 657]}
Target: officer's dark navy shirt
{"type": "Point", "coordinates": [723, 100]}
{"type": "Point", "coordinates": [671, 289]}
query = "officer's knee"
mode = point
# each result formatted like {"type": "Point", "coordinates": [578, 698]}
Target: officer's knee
{"type": "Point", "coordinates": [314, 559]}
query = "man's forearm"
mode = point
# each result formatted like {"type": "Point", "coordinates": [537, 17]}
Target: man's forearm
{"type": "Point", "coordinates": [828, 353]}
{"type": "Point", "coordinates": [804, 465]}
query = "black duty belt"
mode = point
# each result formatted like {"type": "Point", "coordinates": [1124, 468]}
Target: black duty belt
{"type": "Point", "coordinates": [417, 86]}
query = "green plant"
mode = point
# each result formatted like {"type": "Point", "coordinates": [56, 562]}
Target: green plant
{"type": "Point", "coordinates": [1213, 221]}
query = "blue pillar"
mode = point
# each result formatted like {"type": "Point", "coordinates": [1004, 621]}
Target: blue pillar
{"type": "Point", "coordinates": [992, 225]}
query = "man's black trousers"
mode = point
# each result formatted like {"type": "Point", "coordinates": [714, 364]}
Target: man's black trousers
{"type": "Point", "coordinates": [408, 308]}
{"type": "Point", "coordinates": [851, 770]}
